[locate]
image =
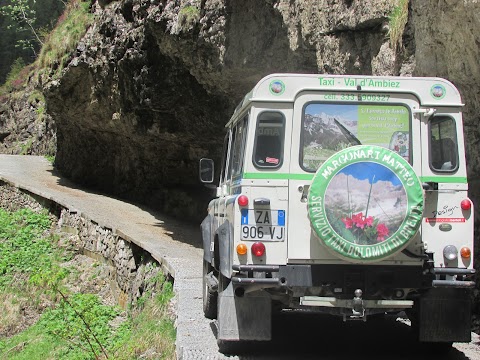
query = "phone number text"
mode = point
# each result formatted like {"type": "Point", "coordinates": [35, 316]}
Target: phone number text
{"type": "Point", "coordinates": [358, 97]}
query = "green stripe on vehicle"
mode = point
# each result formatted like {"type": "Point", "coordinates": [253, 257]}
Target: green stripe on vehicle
{"type": "Point", "coordinates": [444, 179]}
{"type": "Point", "coordinates": [277, 176]}
{"type": "Point", "coordinates": [284, 176]}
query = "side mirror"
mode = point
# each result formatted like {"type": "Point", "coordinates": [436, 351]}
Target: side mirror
{"type": "Point", "coordinates": [206, 171]}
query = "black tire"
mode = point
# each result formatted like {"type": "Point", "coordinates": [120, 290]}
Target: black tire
{"type": "Point", "coordinates": [210, 297]}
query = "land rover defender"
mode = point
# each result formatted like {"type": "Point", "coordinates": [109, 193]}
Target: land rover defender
{"type": "Point", "coordinates": [345, 195]}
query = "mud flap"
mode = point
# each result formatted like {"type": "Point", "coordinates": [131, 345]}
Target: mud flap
{"type": "Point", "coordinates": [445, 316]}
{"type": "Point", "coordinates": [244, 318]}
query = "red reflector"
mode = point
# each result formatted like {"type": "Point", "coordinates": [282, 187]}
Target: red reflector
{"type": "Point", "coordinates": [466, 204]}
{"type": "Point", "coordinates": [258, 249]}
{"type": "Point", "coordinates": [242, 200]}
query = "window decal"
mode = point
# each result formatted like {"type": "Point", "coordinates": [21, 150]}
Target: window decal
{"type": "Point", "coordinates": [329, 128]}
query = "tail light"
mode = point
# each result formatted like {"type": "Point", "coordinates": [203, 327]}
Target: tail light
{"type": "Point", "coordinates": [258, 249]}
{"type": "Point", "coordinates": [466, 204]}
{"type": "Point", "coordinates": [242, 200]}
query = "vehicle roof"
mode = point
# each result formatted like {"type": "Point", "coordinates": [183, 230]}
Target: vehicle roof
{"type": "Point", "coordinates": [286, 87]}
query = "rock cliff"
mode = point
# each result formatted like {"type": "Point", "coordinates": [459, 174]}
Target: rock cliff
{"type": "Point", "coordinates": [153, 82]}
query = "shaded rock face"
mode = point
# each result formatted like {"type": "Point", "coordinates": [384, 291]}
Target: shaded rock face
{"type": "Point", "coordinates": [450, 48]}
{"type": "Point", "coordinates": [153, 83]}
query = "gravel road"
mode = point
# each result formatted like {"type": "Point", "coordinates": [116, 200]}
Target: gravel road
{"type": "Point", "coordinates": [177, 247]}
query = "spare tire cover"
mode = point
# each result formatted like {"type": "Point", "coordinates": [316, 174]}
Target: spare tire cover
{"type": "Point", "coordinates": [365, 203]}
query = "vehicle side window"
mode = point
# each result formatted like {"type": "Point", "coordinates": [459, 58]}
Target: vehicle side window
{"type": "Point", "coordinates": [443, 144]}
{"type": "Point", "coordinates": [231, 149]}
{"type": "Point", "coordinates": [225, 157]}
{"type": "Point", "coordinates": [239, 147]}
{"type": "Point", "coordinates": [269, 139]}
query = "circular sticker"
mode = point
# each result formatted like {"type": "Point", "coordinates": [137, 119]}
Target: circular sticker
{"type": "Point", "coordinates": [438, 91]}
{"type": "Point", "coordinates": [365, 203]}
{"type": "Point", "coordinates": [277, 87]}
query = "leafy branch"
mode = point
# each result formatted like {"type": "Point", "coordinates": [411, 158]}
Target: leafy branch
{"type": "Point", "coordinates": [20, 12]}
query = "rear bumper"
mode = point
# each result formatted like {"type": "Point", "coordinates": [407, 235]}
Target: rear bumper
{"type": "Point", "coordinates": [344, 279]}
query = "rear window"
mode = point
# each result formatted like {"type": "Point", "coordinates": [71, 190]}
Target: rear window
{"type": "Point", "coordinates": [443, 144]}
{"type": "Point", "coordinates": [329, 128]}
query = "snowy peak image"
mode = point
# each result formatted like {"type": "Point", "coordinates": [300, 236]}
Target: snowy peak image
{"type": "Point", "coordinates": [365, 203]}
{"type": "Point", "coordinates": [329, 130]}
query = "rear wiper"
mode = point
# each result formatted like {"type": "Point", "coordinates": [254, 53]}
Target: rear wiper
{"type": "Point", "coordinates": [351, 138]}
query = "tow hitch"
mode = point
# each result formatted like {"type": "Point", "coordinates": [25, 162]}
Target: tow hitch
{"type": "Point", "coordinates": [358, 310]}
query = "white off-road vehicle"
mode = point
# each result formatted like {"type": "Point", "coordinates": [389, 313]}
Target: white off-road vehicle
{"type": "Point", "coordinates": [345, 195]}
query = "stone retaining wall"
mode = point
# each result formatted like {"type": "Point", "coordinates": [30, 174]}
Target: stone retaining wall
{"type": "Point", "coordinates": [132, 269]}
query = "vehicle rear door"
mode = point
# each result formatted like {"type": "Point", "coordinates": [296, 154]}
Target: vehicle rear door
{"type": "Point", "coordinates": [326, 122]}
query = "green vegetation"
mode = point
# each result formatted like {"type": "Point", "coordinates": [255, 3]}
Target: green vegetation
{"type": "Point", "coordinates": [24, 16]}
{"type": "Point", "coordinates": [50, 158]}
{"type": "Point", "coordinates": [36, 96]}
{"type": "Point", "coordinates": [22, 247]}
{"type": "Point", "coordinates": [34, 277]}
{"type": "Point", "coordinates": [188, 16]}
{"type": "Point", "coordinates": [17, 76]}
{"type": "Point", "coordinates": [26, 147]}
{"type": "Point", "coordinates": [24, 25]}
{"type": "Point", "coordinates": [396, 22]}
{"type": "Point", "coordinates": [56, 47]}
{"type": "Point", "coordinates": [151, 327]}
{"type": "Point", "coordinates": [64, 38]}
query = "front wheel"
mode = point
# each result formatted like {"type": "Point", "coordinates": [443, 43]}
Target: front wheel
{"type": "Point", "coordinates": [210, 296]}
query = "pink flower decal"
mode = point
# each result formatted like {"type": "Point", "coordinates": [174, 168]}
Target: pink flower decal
{"type": "Point", "coordinates": [382, 231]}
{"type": "Point", "coordinates": [348, 222]}
{"type": "Point", "coordinates": [365, 230]}
{"type": "Point", "coordinates": [369, 221]}
{"type": "Point", "coordinates": [358, 220]}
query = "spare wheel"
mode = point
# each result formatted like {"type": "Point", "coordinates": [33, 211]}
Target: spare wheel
{"type": "Point", "coordinates": [365, 203]}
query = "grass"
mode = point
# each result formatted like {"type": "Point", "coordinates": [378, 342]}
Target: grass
{"type": "Point", "coordinates": [16, 78]}
{"type": "Point", "coordinates": [151, 328]}
{"type": "Point", "coordinates": [34, 279]}
{"type": "Point", "coordinates": [396, 22]}
{"type": "Point", "coordinates": [50, 158]}
{"type": "Point", "coordinates": [62, 41]}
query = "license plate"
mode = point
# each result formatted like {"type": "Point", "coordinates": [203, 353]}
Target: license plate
{"type": "Point", "coordinates": [264, 225]}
